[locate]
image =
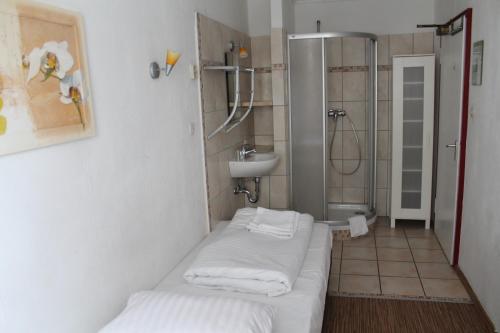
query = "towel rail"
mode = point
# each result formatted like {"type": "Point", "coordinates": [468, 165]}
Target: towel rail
{"type": "Point", "coordinates": [237, 71]}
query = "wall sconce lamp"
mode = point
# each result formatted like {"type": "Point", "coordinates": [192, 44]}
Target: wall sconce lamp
{"type": "Point", "coordinates": [170, 61]}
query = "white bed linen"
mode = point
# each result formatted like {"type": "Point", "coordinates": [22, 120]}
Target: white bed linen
{"type": "Point", "coordinates": [170, 312]}
{"type": "Point", "coordinates": [247, 262]}
{"type": "Point", "coordinates": [301, 310]}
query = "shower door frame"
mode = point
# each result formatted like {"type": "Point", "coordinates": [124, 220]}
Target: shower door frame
{"type": "Point", "coordinates": [372, 115]}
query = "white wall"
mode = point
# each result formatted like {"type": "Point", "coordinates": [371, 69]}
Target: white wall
{"type": "Point", "coordinates": [480, 241]}
{"type": "Point", "coordinates": [84, 224]}
{"type": "Point", "coordinates": [259, 17]}
{"type": "Point", "coordinates": [379, 17]}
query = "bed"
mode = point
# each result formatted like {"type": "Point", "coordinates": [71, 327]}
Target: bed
{"type": "Point", "coordinates": [299, 311]}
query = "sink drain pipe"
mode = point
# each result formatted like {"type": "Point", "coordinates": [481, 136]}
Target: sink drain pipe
{"type": "Point", "coordinates": [242, 189]}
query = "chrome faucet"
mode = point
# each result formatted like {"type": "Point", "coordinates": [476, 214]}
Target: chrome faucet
{"type": "Point", "coordinates": [246, 150]}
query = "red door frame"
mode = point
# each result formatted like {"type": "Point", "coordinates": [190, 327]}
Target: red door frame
{"type": "Point", "coordinates": [463, 132]}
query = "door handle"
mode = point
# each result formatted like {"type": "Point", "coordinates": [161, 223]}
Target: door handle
{"type": "Point", "coordinates": [454, 146]}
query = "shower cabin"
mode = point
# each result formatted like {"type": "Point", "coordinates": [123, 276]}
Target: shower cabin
{"type": "Point", "coordinates": [333, 125]}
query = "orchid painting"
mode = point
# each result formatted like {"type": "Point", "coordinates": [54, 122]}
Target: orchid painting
{"type": "Point", "coordinates": [45, 95]}
{"type": "Point", "coordinates": [53, 60]}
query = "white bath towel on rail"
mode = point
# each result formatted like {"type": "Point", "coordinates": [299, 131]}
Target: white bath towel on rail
{"type": "Point", "coordinates": [251, 262]}
{"type": "Point", "coordinates": [280, 224]}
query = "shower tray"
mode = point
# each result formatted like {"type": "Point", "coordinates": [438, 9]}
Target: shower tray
{"type": "Point", "coordinates": [339, 213]}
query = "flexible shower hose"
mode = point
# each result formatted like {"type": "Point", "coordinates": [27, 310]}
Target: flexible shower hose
{"type": "Point", "coordinates": [358, 146]}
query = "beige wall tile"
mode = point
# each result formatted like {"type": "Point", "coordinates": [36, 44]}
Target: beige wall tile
{"type": "Point", "coordinates": [383, 116]}
{"type": "Point", "coordinates": [382, 171]}
{"type": "Point", "coordinates": [211, 45]}
{"type": "Point", "coordinates": [281, 148]}
{"type": "Point", "coordinates": [381, 204]}
{"type": "Point", "coordinates": [334, 52]}
{"type": "Point", "coordinates": [263, 87]}
{"type": "Point", "coordinates": [354, 86]}
{"type": "Point", "coordinates": [383, 85]}
{"type": "Point", "coordinates": [336, 146]}
{"type": "Point", "coordinates": [401, 44]}
{"type": "Point", "coordinates": [212, 163]}
{"type": "Point", "coordinates": [261, 51]}
{"type": "Point", "coordinates": [335, 178]}
{"type": "Point", "coordinates": [350, 150]}
{"type": "Point", "coordinates": [353, 51]}
{"type": "Point", "coordinates": [263, 121]}
{"type": "Point", "coordinates": [335, 87]}
{"type": "Point", "coordinates": [357, 112]}
{"type": "Point", "coordinates": [358, 178]}
{"type": "Point", "coordinates": [280, 122]}
{"type": "Point", "coordinates": [335, 194]}
{"type": "Point", "coordinates": [353, 195]}
{"type": "Point", "coordinates": [278, 80]}
{"type": "Point", "coordinates": [383, 50]}
{"type": "Point", "coordinates": [383, 146]}
{"type": "Point", "coordinates": [279, 192]}
{"type": "Point", "coordinates": [277, 46]}
{"type": "Point", "coordinates": [423, 43]}
{"type": "Point", "coordinates": [264, 140]}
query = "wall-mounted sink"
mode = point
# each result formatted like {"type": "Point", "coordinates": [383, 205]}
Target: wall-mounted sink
{"type": "Point", "coordinates": [254, 165]}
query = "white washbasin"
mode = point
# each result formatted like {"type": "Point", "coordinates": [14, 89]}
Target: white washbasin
{"type": "Point", "coordinates": [255, 165]}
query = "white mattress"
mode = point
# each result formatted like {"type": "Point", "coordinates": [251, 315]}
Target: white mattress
{"type": "Point", "coordinates": [300, 311]}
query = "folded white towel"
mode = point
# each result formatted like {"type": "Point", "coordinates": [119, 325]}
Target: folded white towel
{"type": "Point", "coordinates": [281, 224]}
{"type": "Point", "coordinates": [358, 226]}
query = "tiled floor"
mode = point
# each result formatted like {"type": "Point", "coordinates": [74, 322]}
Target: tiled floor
{"type": "Point", "coordinates": [406, 262]}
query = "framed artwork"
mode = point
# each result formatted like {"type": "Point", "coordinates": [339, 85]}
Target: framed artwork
{"type": "Point", "coordinates": [45, 95]}
{"type": "Point", "coordinates": [477, 63]}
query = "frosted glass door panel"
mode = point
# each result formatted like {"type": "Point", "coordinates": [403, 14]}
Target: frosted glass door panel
{"type": "Point", "coordinates": [307, 126]}
{"type": "Point", "coordinates": [413, 110]}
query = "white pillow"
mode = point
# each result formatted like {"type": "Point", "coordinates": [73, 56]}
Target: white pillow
{"type": "Point", "coordinates": [158, 312]}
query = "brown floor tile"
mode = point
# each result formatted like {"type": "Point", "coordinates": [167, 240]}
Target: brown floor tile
{"type": "Point", "coordinates": [424, 255]}
{"type": "Point", "coordinates": [335, 267]}
{"type": "Point", "coordinates": [401, 286]}
{"type": "Point", "coordinates": [394, 254]}
{"type": "Point", "coordinates": [435, 271]}
{"type": "Point", "coordinates": [359, 267]}
{"type": "Point", "coordinates": [360, 253]}
{"type": "Point", "coordinates": [397, 268]}
{"type": "Point", "coordinates": [388, 232]}
{"type": "Point", "coordinates": [365, 241]}
{"type": "Point", "coordinates": [359, 284]}
{"type": "Point", "coordinates": [337, 249]}
{"type": "Point", "coordinates": [419, 233]}
{"type": "Point", "coordinates": [424, 243]}
{"type": "Point", "coordinates": [444, 288]}
{"type": "Point", "coordinates": [333, 284]}
{"type": "Point", "coordinates": [392, 242]}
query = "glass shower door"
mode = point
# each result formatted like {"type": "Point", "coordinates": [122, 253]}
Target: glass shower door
{"type": "Point", "coordinates": [307, 126]}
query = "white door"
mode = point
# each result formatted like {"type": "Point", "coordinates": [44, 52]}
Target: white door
{"type": "Point", "coordinates": [450, 110]}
